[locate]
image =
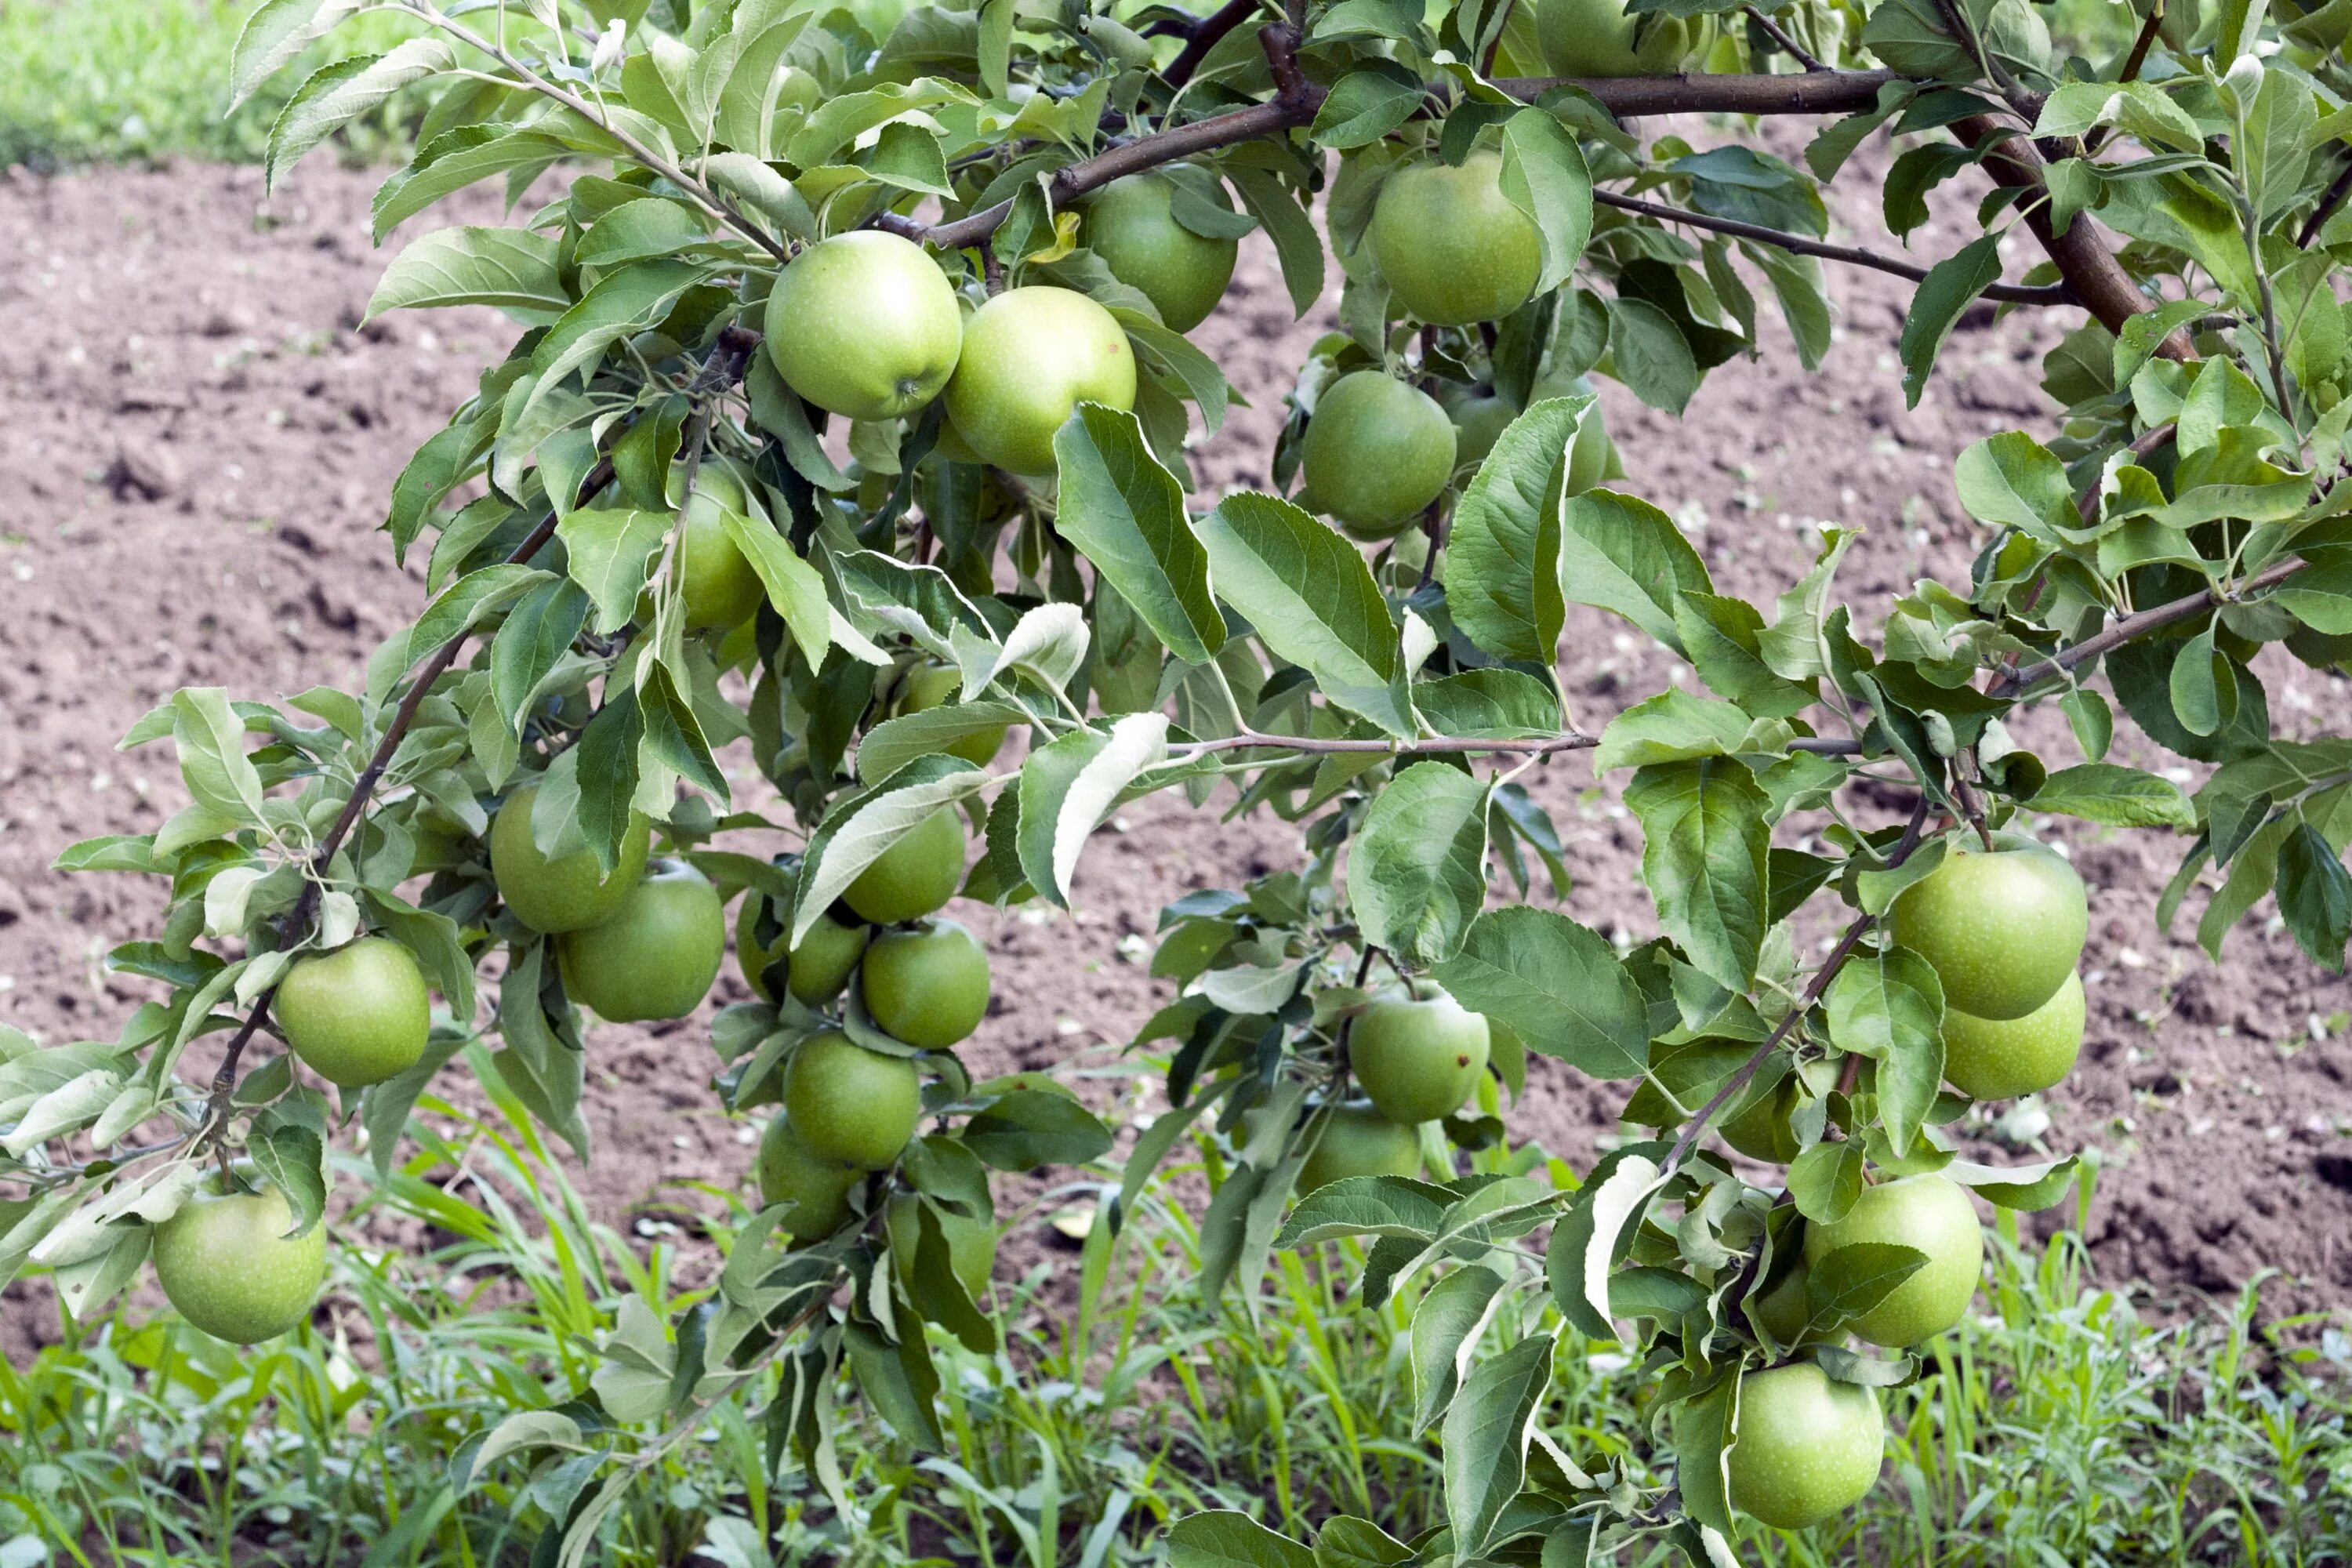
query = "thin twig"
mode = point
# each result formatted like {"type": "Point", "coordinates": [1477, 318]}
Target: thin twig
{"type": "Point", "coordinates": [2145, 446]}
{"type": "Point", "coordinates": [2330, 202]}
{"type": "Point", "coordinates": [2010, 293]}
{"type": "Point", "coordinates": [1207, 33]}
{"type": "Point", "coordinates": [1753, 92]}
{"type": "Point", "coordinates": [1815, 990]}
{"type": "Point", "coordinates": [724, 366]}
{"type": "Point", "coordinates": [2139, 626]}
{"type": "Point", "coordinates": [1782, 41]}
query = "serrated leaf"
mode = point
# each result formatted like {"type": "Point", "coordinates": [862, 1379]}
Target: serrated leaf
{"type": "Point", "coordinates": [1704, 842]}
{"type": "Point", "coordinates": [1445, 1328]}
{"type": "Point", "coordinates": [1416, 872]}
{"type": "Point", "coordinates": [869, 824]}
{"type": "Point", "coordinates": [1889, 1006]}
{"type": "Point", "coordinates": [2116, 795]}
{"type": "Point", "coordinates": [608, 552]}
{"type": "Point", "coordinates": [1502, 574]}
{"type": "Point", "coordinates": [1620, 553]}
{"type": "Point", "coordinates": [1068, 787]}
{"type": "Point", "coordinates": [1486, 1441]}
{"type": "Point", "coordinates": [1222, 1538]}
{"type": "Point", "coordinates": [1310, 595]}
{"type": "Point", "coordinates": [339, 94]}
{"type": "Point", "coordinates": [1950, 286]}
{"type": "Point", "coordinates": [1123, 512]}
{"type": "Point", "coordinates": [1557, 984]}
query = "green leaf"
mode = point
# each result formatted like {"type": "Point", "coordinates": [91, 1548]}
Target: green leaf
{"type": "Point", "coordinates": [1445, 1328]}
{"type": "Point", "coordinates": [1125, 512]}
{"type": "Point", "coordinates": [2011, 480]}
{"type": "Point", "coordinates": [893, 743]}
{"type": "Point", "coordinates": [1889, 1006]}
{"type": "Point", "coordinates": [1555, 984]}
{"type": "Point", "coordinates": [2027, 1187]}
{"type": "Point", "coordinates": [1703, 858]}
{"type": "Point", "coordinates": [1347, 1541]}
{"type": "Point", "coordinates": [860, 828]}
{"type": "Point", "coordinates": [795, 587]}
{"type": "Point", "coordinates": [1544, 175]}
{"type": "Point", "coordinates": [609, 552]}
{"type": "Point", "coordinates": [1310, 595]}
{"type": "Point", "coordinates": [2118, 796]}
{"type": "Point", "coordinates": [1672, 727]}
{"type": "Point", "coordinates": [1825, 1180]}
{"type": "Point", "coordinates": [1702, 1431]}
{"type": "Point", "coordinates": [1486, 1441]}
{"type": "Point", "coordinates": [2204, 686]}
{"type": "Point", "coordinates": [210, 739]}
{"type": "Point", "coordinates": [294, 1160]}
{"type": "Point", "coordinates": [451, 161]}
{"type": "Point", "coordinates": [337, 94]}
{"type": "Point", "coordinates": [2315, 896]}
{"type": "Point", "coordinates": [1031, 1127]}
{"type": "Point", "coordinates": [1416, 872]}
{"type": "Point", "coordinates": [1851, 1280]}
{"type": "Point", "coordinates": [1068, 787]}
{"type": "Point", "coordinates": [1224, 1538]}
{"type": "Point", "coordinates": [1488, 704]}
{"type": "Point", "coordinates": [1748, 187]}
{"type": "Point", "coordinates": [509, 268]}
{"type": "Point", "coordinates": [537, 633]}
{"type": "Point", "coordinates": [276, 32]}
{"type": "Point", "coordinates": [1620, 553]}
{"type": "Point", "coordinates": [1502, 571]}
{"type": "Point", "coordinates": [635, 230]}
{"type": "Point", "coordinates": [1366, 1205]}
{"type": "Point", "coordinates": [1723, 638]}
{"type": "Point", "coordinates": [1950, 286]}
{"type": "Point", "coordinates": [1650, 354]}
{"type": "Point", "coordinates": [1365, 105]}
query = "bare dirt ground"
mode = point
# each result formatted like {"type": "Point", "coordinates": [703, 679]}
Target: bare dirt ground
{"type": "Point", "coordinates": [196, 440]}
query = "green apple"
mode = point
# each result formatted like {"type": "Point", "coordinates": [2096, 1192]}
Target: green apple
{"type": "Point", "coordinates": [1417, 1059]}
{"type": "Point", "coordinates": [972, 1243]}
{"type": "Point", "coordinates": [850, 1104]}
{"type": "Point", "coordinates": [915, 874]}
{"type": "Point", "coordinates": [568, 891]}
{"type": "Point", "coordinates": [929, 685]}
{"type": "Point", "coordinates": [1030, 356]}
{"type": "Point", "coordinates": [927, 985]}
{"type": "Point", "coordinates": [1597, 38]}
{"type": "Point", "coordinates": [1376, 452]}
{"type": "Point", "coordinates": [1131, 226]}
{"type": "Point", "coordinates": [1807, 1446]}
{"type": "Point", "coordinates": [657, 955]}
{"type": "Point", "coordinates": [1478, 424]}
{"type": "Point", "coordinates": [227, 1266]}
{"type": "Point", "coordinates": [2000, 1058]}
{"type": "Point", "coordinates": [2002, 929]}
{"type": "Point", "coordinates": [818, 1188]}
{"type": "Point", "coordinates": [1453, 248]}
{"type": "Point", "coordinates": [820, 966]}
{"type": "Point", "coordinates": [1928, 1213]}
{"type": "Point", "coordinates": [357, 1016]}
{"type": "Point", "coordinates": [714, 580]}
{"type": "Point", "coordinates": [1360, 1141]}
{"type": "Point", "coordinates": [865, 324]}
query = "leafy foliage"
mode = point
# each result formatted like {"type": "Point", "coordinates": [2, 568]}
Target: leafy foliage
{"type": "Point", "coordinates": [645, 541]}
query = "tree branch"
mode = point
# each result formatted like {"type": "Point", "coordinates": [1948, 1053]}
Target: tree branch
{"type": "Point", "coordinates": [1782, 41]}
{"type": "Point", "coordinates": [2139, 625]}
{"type": "Point", "coordinates": [1293, 105]}
{"type": "Point", "coordinates": [1813, 92]}
{"type": "Point", "coordinates": [1453, 745]}
{"type": "Point", "coordinates": [2089, 267]}
{"type": "Point", "coordinates": [1814, 991]}
{"type": "Point", "coordinates": [723, 368]}
{"type": "Point", "coordinates": [2330, 202]}
{"type": "Point", "coordinates": [2010, 293]}
{"type": "Point", "coordinates": [1207, 33]}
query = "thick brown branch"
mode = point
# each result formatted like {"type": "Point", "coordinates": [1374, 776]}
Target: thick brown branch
{"type": "Point", "coordinates": [1813, 92]}
{"type": "Point", "coordinates": [2089, 267]}
{"type": "Point", "coordinates": [1207, 33]}
{"type": "Point", "coordinates": [2010, 293]}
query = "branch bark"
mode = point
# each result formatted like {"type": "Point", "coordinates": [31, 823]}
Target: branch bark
{"type": "Point", "coordinates": [1813, 92]}
{"type": "Point", "coordinates": [2010, 293]}
{"type": "Point", "coordinates": [1207, 33]}
{"type": "Point", "coordinates": [2139, 625]}
{"type": "Point", "coordinates": [2089, 267]}
{"type": "Point", "coordinates": [724, 367]}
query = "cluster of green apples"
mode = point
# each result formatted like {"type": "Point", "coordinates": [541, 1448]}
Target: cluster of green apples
{"type": "Point", "coordinates": [1418, 1055]}
{"type": "Point", "coordinates": [2003, 928]}
{"type": "Point", "coordinates": [865, 325]}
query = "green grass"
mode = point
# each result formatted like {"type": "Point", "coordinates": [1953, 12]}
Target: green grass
{"type": "Point", "coordinates": [136, 80]}
{"type": "Point", "coordinates": [2057, 1428]}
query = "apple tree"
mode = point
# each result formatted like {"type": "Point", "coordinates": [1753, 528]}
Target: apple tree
{"type": "Point", "coordinates": [850, 422]}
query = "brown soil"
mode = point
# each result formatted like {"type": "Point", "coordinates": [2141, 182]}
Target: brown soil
{"type": "Point", "coordinates": [198, 443]}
